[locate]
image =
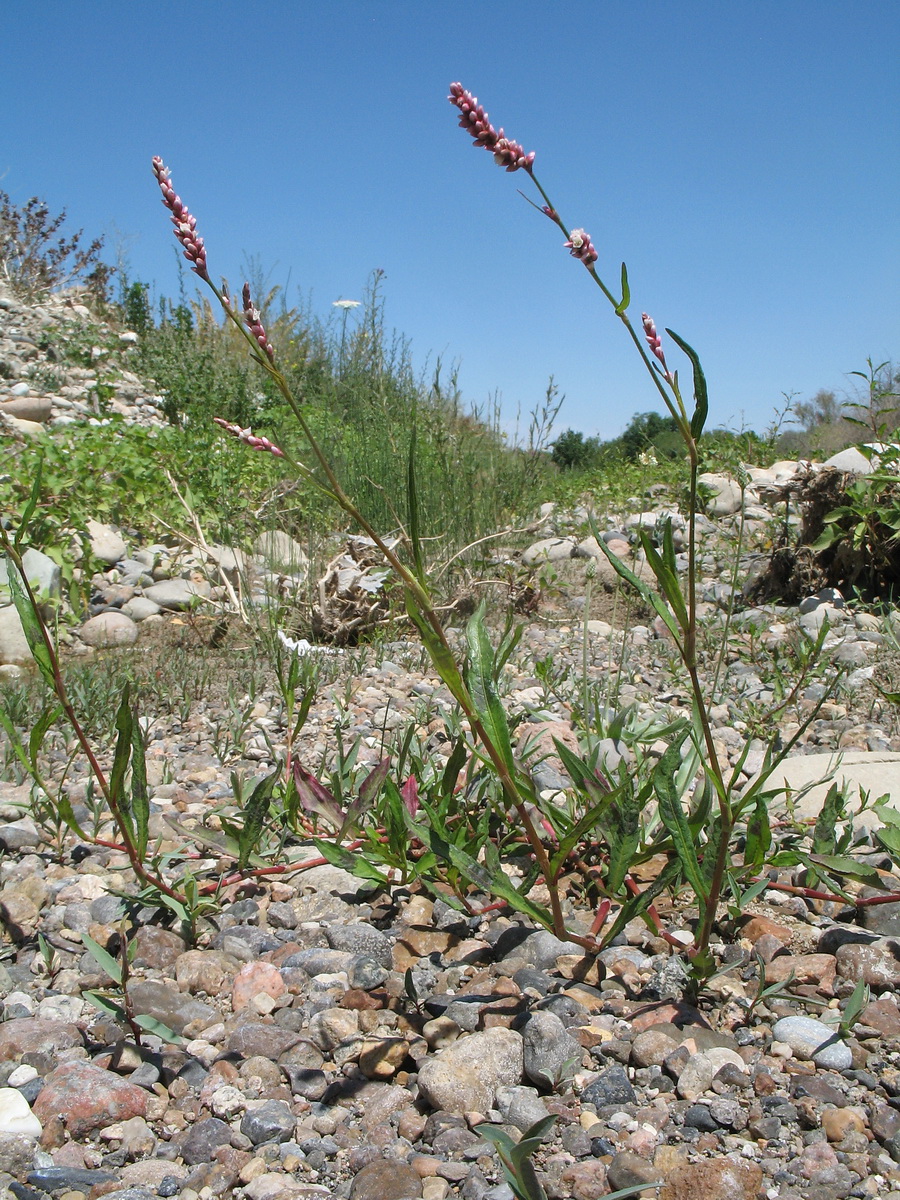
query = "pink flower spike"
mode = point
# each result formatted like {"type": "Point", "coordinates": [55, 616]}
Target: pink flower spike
{"type": "Point", "coordinates": [654, 341]}
{"type": "Point", "coordinates": [506, 152]}
{"type": "Point", "coordinates": [254, 325]}
{"type": "Point", "coordinates": [185, 224]}
{"type": "Point", "coordinates": [580, 246]}
{"type": "Point", "coordinates": [247, 436]}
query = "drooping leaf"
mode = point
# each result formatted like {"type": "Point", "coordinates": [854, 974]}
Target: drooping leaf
{"type": "Point", "coordinates": [647, 594]}
{"type": "Point", "coordinates": [701, 393]}
{"type": "Point", "coordinates": [32, 625]}
{"type": "Point", "coordinates": [355, 863]}
{"type": "Point", "coordinates": [620, 825]}
{"type": "Point", "coordinates": [158, 1028]}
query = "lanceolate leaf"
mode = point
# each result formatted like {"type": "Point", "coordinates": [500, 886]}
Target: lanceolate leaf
{"type": "Point", "coordinates": [620, 825]}
{"type": "Point", "coordinates": [440, 655]}
{"type": "Point", "coordinates": [701, 394]}
{"type": "Point", "coordinates": [647, 594]}
{"type": "Point", "coordinates": [124, 721]}
{"type": "Point", "coordinates": [483, 689]}
{"type": "Point", "coordinates": [824, 839]}
{"type": "Point", "coordinates": [103, 958]}
{"type": "Point", "coordinates": [139, 804]}
{"type": "Point", "coordinates": [255, 813]}
{"type": "Point", "coordinates": [759, 835]}
{"type": "Point", "coordinates": [672, 815]}
{"type": "Point", "coordinates": [315, 797]}
{"type": "Point", "coordinates": [413, 507]}
{"type": "Point", "coordinates": [622, 306]}
{"type": "Point", "coordinates": [31, 624]}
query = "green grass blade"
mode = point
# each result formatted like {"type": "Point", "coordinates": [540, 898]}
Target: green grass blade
{"type": "Point", "coordinates": [481, 681]}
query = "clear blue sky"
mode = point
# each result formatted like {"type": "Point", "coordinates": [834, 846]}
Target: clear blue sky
{"type": "Point", "coordinates": [742, 158]}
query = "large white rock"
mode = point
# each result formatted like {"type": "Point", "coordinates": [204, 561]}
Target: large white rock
{"type": "Point", "coordinates": [109, 629]}
{"type": "Point", "coordinates": [107, 544]}
{"type": "Point", "coordinates": [548, 550]}
{"type": "Point", "coordinates": [874, 771]}
{"type": "Point", "coordinates": [851, 460]}
{"type": "Point", "coordinates": [726, 497]}
{"type": "Point", "coordinates": [16, 1115]}
{"type": "Point", "coordinates": [281, 553]}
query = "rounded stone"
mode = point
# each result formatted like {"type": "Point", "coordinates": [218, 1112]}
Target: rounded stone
{"type": "Point", "coordinates": [109, 629]}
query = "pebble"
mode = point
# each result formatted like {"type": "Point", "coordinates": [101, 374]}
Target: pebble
{"type": "Point", "coordinates": [812, 1039]}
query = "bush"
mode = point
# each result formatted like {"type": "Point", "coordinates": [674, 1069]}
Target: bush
{"type": "Point", "coordinates": [35, 260]}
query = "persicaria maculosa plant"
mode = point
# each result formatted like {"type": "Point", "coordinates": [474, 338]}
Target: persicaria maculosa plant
{"type": "Point", "coordinates": [677, 609]}
{"type": "Point", "coordinates": [473, 685]}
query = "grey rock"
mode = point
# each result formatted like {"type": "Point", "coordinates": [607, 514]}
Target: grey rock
{"type": "Point", "coordinates": [813, 1039]}
{"type": "Point", "coordinates": [273, 1121]}
{"type": "Point", "coordinates": [109, 629]}
{"type": "Point", "coordinates": [520, 1106]}
{"type": "Point", "coordinates": [168, 1005]}
{"type": "Point", "coordinates": [465, 1076]}
{"type": "Point", "coordinates": [20, 835]}
{"type": "Point", "coordinates": [725, 494]}
{"type": "Point", "coordinates": [177, 594]}
{"type": "Point", "coordinates": [281, 553]}
{"type": "Point", "coordinates": [139, 608]}
{"type": "Point", "coordinates": [361, 939]}
{"type": "Point", "coordinates": [202, 1140]}
{"type": "Point", "coordinates": [611, 1086]}
{"type": "Point", "coordinates": [852, 461]}
{"type": "Point", "coordinates": [107, 544]}
{"type": "Point", "coordinates": [551, 1054]}
{"type": "Point", "coordinates": [548, 550]}
{"type": "Point", "coordinates": [80, 1179]}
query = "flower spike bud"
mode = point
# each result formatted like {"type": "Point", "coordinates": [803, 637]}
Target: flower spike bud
{"type": "Point", "coordinates": [654, 341]}
{"type": "Point", "coordinates": [254, 325]}
{"type": "Point", "coordinates": [185, 224]}
{"type": "Point", "coordinates": [507, 153]}
{"type": "Point", "coordinates": [246, 436]}
{"type": "Point", "coordinates": [580, 246]}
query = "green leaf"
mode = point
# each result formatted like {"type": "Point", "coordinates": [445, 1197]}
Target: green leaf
{"type": "Point", "coordinates": [31, 504]}
{"type": "Point", "coordinates": [621, 826]}
{"type": "Point", "coordinates": [32, 624]}
{"type": "Point", "coordinates": [254, 816]}
{"type": "Point", "coordinates": [701, 394]}
{"type": "Point", "coordinates": [672, 815]}
{"type": "Point", "coordinates": [110, 965]}
{"type": "Point", "coordinates": [145, 1021]}
{"type": "Point", "coordinates": [440, 654]}
{"type": "Point", "coordinates": [637, 905]}
{"type": "Point", "coordinates": [663, 567]}
{"type": "Point", "coordinates": [139, 804]}
{"type": "Point", "coordinates": [647, 594]}
{"type": "Point", "coordinates": [824, 840]}
{"type": "Point", "coordinates": [354, 862]}
{"type": "Point", "coordinates": [39, 732]}
{"type": "Point", "coordinates": [481, 682]}
{"type": "Point", "coordinates": [107, 1005]}
{"type": "Point", "coordinates": [759, 835]}
{"type": "Point", "coordinates": [622, 306]}
{"type": "Point", "coordinates": [412, 499]}
{"type": "Point", "coordinates": [849, 868]}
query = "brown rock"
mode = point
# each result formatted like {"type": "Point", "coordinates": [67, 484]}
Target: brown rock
{"type": "Point", "coordinates": [19, 914]}
{"type": "Point", "coordinates": [651, 1048]}
{"type": "Point", "coordinates": [838, 1122]}
{"type": "Point", "coordinates": [753, 928]}
{"type": "Point", "coordinates": [386, 1180]}
{"type": "Point", "coordinates": [419, 943]}
{"type": "Point", "coordinates": [877, 963]}
{"type": "Point", "coordinates": [674, 1011]}
{"type": "Point", "coordinates": [817, 969]}
{"type": "Point", "coordinates": [33, 1035]}
{"type": "Point", "coordinates": [883, 1015]}
{"type": "Point", "coordinates": [253, 978]}
{"type": "Point", "coordinates": [584, 1180]}
{"type": "Point", "coordinates": [157, 948]}
{"type": "Point", "coordinates": [204, 971]}
{"type": "Point", "coordinates": [382, 1058]}
{"type": "Point", "coordinates": [256, 1037]}
{"type": "Point", "coordinates": [728, 1178]}
{"type": "Point", "coordinates": [86, 1098]}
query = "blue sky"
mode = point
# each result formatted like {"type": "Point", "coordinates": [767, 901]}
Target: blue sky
{"type": "Point", "coordinates": [742, 159]}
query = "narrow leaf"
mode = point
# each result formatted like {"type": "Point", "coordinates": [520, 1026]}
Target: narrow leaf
{"type": "Point", "coordinates": [315, 797]}
{"type": "Point", "coordinates": [701, 394]}
{"type": "Point", "coordinates": [622, 306]}
{"type": "Point", "coordinates": [672, 815]}
{"type": "Point", "coordinates": [254, 816]}
{"type": "Point", "coordinates": [481, 681]}
{"type": "Point", "coordinates": [32, 625]}
{"type": "Point", "coordinates": [105, 960]}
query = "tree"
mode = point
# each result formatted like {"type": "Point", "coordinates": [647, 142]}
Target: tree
{"type": "Point", "coordinates": [573, 451]}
